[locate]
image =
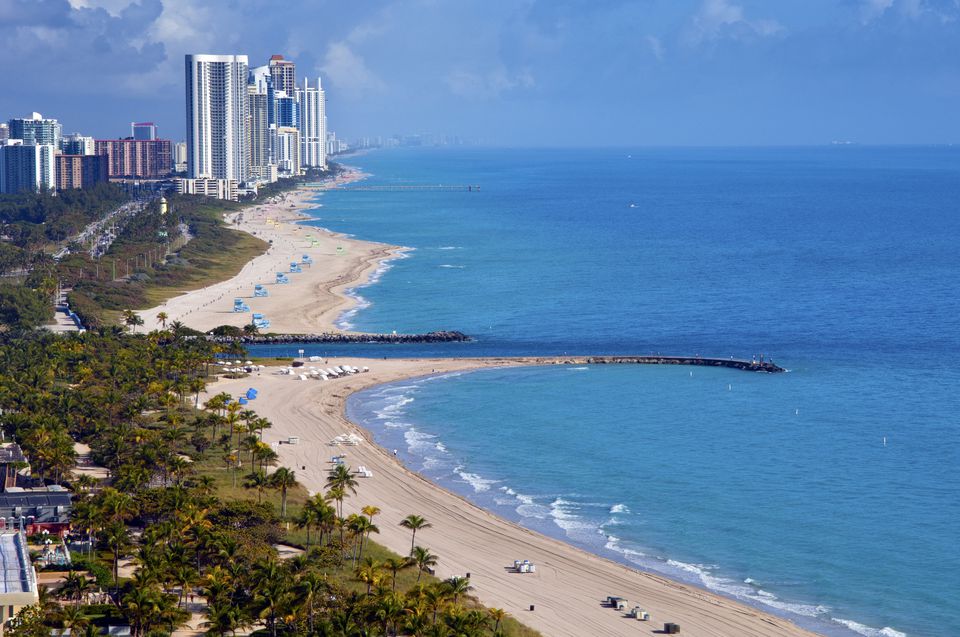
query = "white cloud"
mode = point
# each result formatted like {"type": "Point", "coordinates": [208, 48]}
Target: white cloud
{"type": "Point", "coordinates": [487, 85]}
{"type": "Point", "coordinates": [656, 46]}
{"type": "Point", "coordinates": [721, 18]}
{"type": "Point", "coordinates": [349, 72]}
{"type": "Point", "coordinates": [113, 7]}
{"type": "Point", "coordinates": [945, 11]}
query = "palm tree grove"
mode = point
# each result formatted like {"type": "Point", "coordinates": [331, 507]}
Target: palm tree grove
{"type": "Point", "coordinates": [192, 525]}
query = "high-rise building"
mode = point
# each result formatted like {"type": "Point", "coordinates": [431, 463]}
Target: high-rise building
{"type": "Point", "coordinates": [136, 159]}
{"type": "Point", "coordinates": [143, 131]}
{"type": "Point", "coordinates": [77, 144]}
{"type": "Point", "coordinates": [313, 126]}
{"type": "Point", "coordinates": [81, 171]}
{"type": "Point", "coordinates": [180, 157]}
{"type": "Point", "coordinates": [36, 130]}
{"type": "Point", "coordinates": [288, 150]}
{"type": "Point", "coordinates": [4, 132]}
{"type": "Point", "coordinates": [284, 74]}
{"type": "Point", "coordinates": [217, 138]}
{"type": "Point", "coordinates": [27, 166]}
{"type": "Point", "coordinates": [258, 111]}
{"type": "Point", "coordinates": [218, 188]}
{"type": "Point", "coordinates": [287, 107]}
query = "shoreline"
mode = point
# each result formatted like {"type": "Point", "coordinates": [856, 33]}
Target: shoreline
{"type": "Point", "coordinates": [314, 299]}
{"type": "Point", "coordinates": [570, 582]}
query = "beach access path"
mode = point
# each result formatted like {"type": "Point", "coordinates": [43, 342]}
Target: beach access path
{"type": "Point", "coordinates": [569, 585]}
{"type": "Point", "coordinates": [313, 298]}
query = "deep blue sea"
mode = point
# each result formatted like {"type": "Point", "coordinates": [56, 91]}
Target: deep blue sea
{"type": "Point", "coordinates": [830, 494]}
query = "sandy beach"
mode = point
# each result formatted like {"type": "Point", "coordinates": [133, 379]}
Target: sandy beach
{"type": "Point", "coordinates": [312, 300]}
{"type": "Point", "coordinates": [569, 584]}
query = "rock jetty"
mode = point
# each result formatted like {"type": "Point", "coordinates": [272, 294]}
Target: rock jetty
{"type": "Point", "coordinates": [734, 363]}
{"type": "Point", "coordinates": [336, 337]}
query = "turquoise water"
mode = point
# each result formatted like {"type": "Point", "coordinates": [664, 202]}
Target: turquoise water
{"type": "Point", "coordinates": [828, 494]}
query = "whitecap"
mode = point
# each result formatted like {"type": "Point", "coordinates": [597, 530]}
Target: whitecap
{"type": "Point", "coordinates": [867, 631]}
{"type": "Point", "coordinates": [750, 592]}
{"type": "Point", "coordinates": [450, 248]}
{"type": "Point", "coordinates": [479, 483]}
{"type": "Point", "coordinates": [619, 508]}
{"type": "Point", "coordinates": [455, 267]}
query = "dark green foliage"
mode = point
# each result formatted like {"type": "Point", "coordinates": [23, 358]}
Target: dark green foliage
{"type": "Point", "coordinates": [22, 308]}
{"type": "Point", "coordinates": [32, 219]}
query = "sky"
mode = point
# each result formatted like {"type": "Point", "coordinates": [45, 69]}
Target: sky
{"type": "Point", "coordinates": [518, 73]}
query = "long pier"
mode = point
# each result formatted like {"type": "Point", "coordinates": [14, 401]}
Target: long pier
{"type": "Point", "coordinates": [411, 188]}
{"type": "Point", "coordinates": [752, 365]}
{"type": "Point", "coordinates": [733, 363]}
{"type": "Point", "coordinates": [339, 337]}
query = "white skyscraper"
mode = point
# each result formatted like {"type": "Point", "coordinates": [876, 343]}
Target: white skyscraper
{"type": "Point", "coordinates": [217, 135]}
{"type": "Point", "coordinates": [312, 125]}
{"type": "Point", "coordinates": [27, 167]}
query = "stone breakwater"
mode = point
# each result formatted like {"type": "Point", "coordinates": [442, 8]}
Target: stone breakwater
{"type": "Point", "coordinates": [734, 363]}
{"type": "Point", "coordinates": [335, 337]}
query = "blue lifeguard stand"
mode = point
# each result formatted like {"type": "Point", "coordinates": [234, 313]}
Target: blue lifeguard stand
{"type": "Point", "coordinates": [260, 321]}
{"type": "Point", "coordinates": [259, 290]}
{"type": "Point", "coordinates": [295, 267]}
{"type": "Point", "coordinates": [240, 306]}
{"type": "Point", "coordinates": [306, 260]}
{"type": "Point", "coordinates": [282, 278]}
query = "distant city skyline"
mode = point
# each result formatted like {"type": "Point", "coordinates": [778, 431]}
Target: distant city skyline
{"type": "Point", "coordinates": [537, 72]}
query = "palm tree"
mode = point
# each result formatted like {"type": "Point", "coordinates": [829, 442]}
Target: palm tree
{"type": "Point", "coordinates": [370, 511]}
{"type": "Point", "coordinates": [131, 319]}
{"type": "Point", "coordinates": [424, 559]}
{"type": "Point", "coordinates": [369, 573]}
{"type": "Point", "coordinates": [306, 520]}
{"type": "Point", "coordinates": [75, 586]}
{"type": "Point", "coordinates": [340, 477]}
{"type": "Point", "coordinates": [118, 539]}
{"type": "Point", "coordinates": [311, 587]}
{"type": "Point", "coordinates": [162, 319]}
{"type": "Point", "coordinates": [414, 523]}
{"type": "Point", "coordinates": [74, 618]}
{"type": "Point", "coordinates": [497, 615]}
{"type": "Point", "coordinates": [257, 480]}
{"type": "Point", "coordinates": [283, 479]}
{"type": "Point", "coordinates": [458, 586]}
{"type": "Point", "coordinates": [395, 565]}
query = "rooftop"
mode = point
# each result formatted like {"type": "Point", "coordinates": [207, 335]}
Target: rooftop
{"type": "Point", "coordinates": [16, 572]}
{"type": "Point", "coordinates": [10, 452]}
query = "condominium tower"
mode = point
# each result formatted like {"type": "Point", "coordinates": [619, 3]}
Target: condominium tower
{"type": "Point", "coordinates": [284, 74]}
{"type": "Point", "coordinates": [313, 125]}
{"type": "Point", "coordinates": [217, 136]}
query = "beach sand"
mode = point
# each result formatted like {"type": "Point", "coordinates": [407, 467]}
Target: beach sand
{"type": "Point", "coordinates": [313, 299]}
{"type": "Point", "coordinates": [568, 588]}
{"type": "Point", "coordinates": [569, 585]}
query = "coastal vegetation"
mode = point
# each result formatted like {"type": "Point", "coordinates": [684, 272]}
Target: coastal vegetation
{"type": "Point", "coordinates": [33, 221]}
{"type": "Point", "coordinates": [186, 529]}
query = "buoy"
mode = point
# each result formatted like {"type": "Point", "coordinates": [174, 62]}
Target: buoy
{"type": "Point", "coordinates": [884, 441]}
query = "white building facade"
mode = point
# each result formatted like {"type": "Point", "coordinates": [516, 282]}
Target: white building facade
{"type": "Point", "coordinates": [26, 167]}
{"type": "Point", "coordinates": [217, 135]}
{"type": "Point", "coordinates": [313, 124]}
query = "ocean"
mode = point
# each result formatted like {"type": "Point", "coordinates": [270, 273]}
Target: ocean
{"type": "Point", "coordinates": [829, 494]}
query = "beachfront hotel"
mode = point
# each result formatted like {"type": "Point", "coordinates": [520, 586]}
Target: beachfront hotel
{"type": "Point", "coordinates": [313, 125]}
{"type": "Point", "coordinates": [217, 136]}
